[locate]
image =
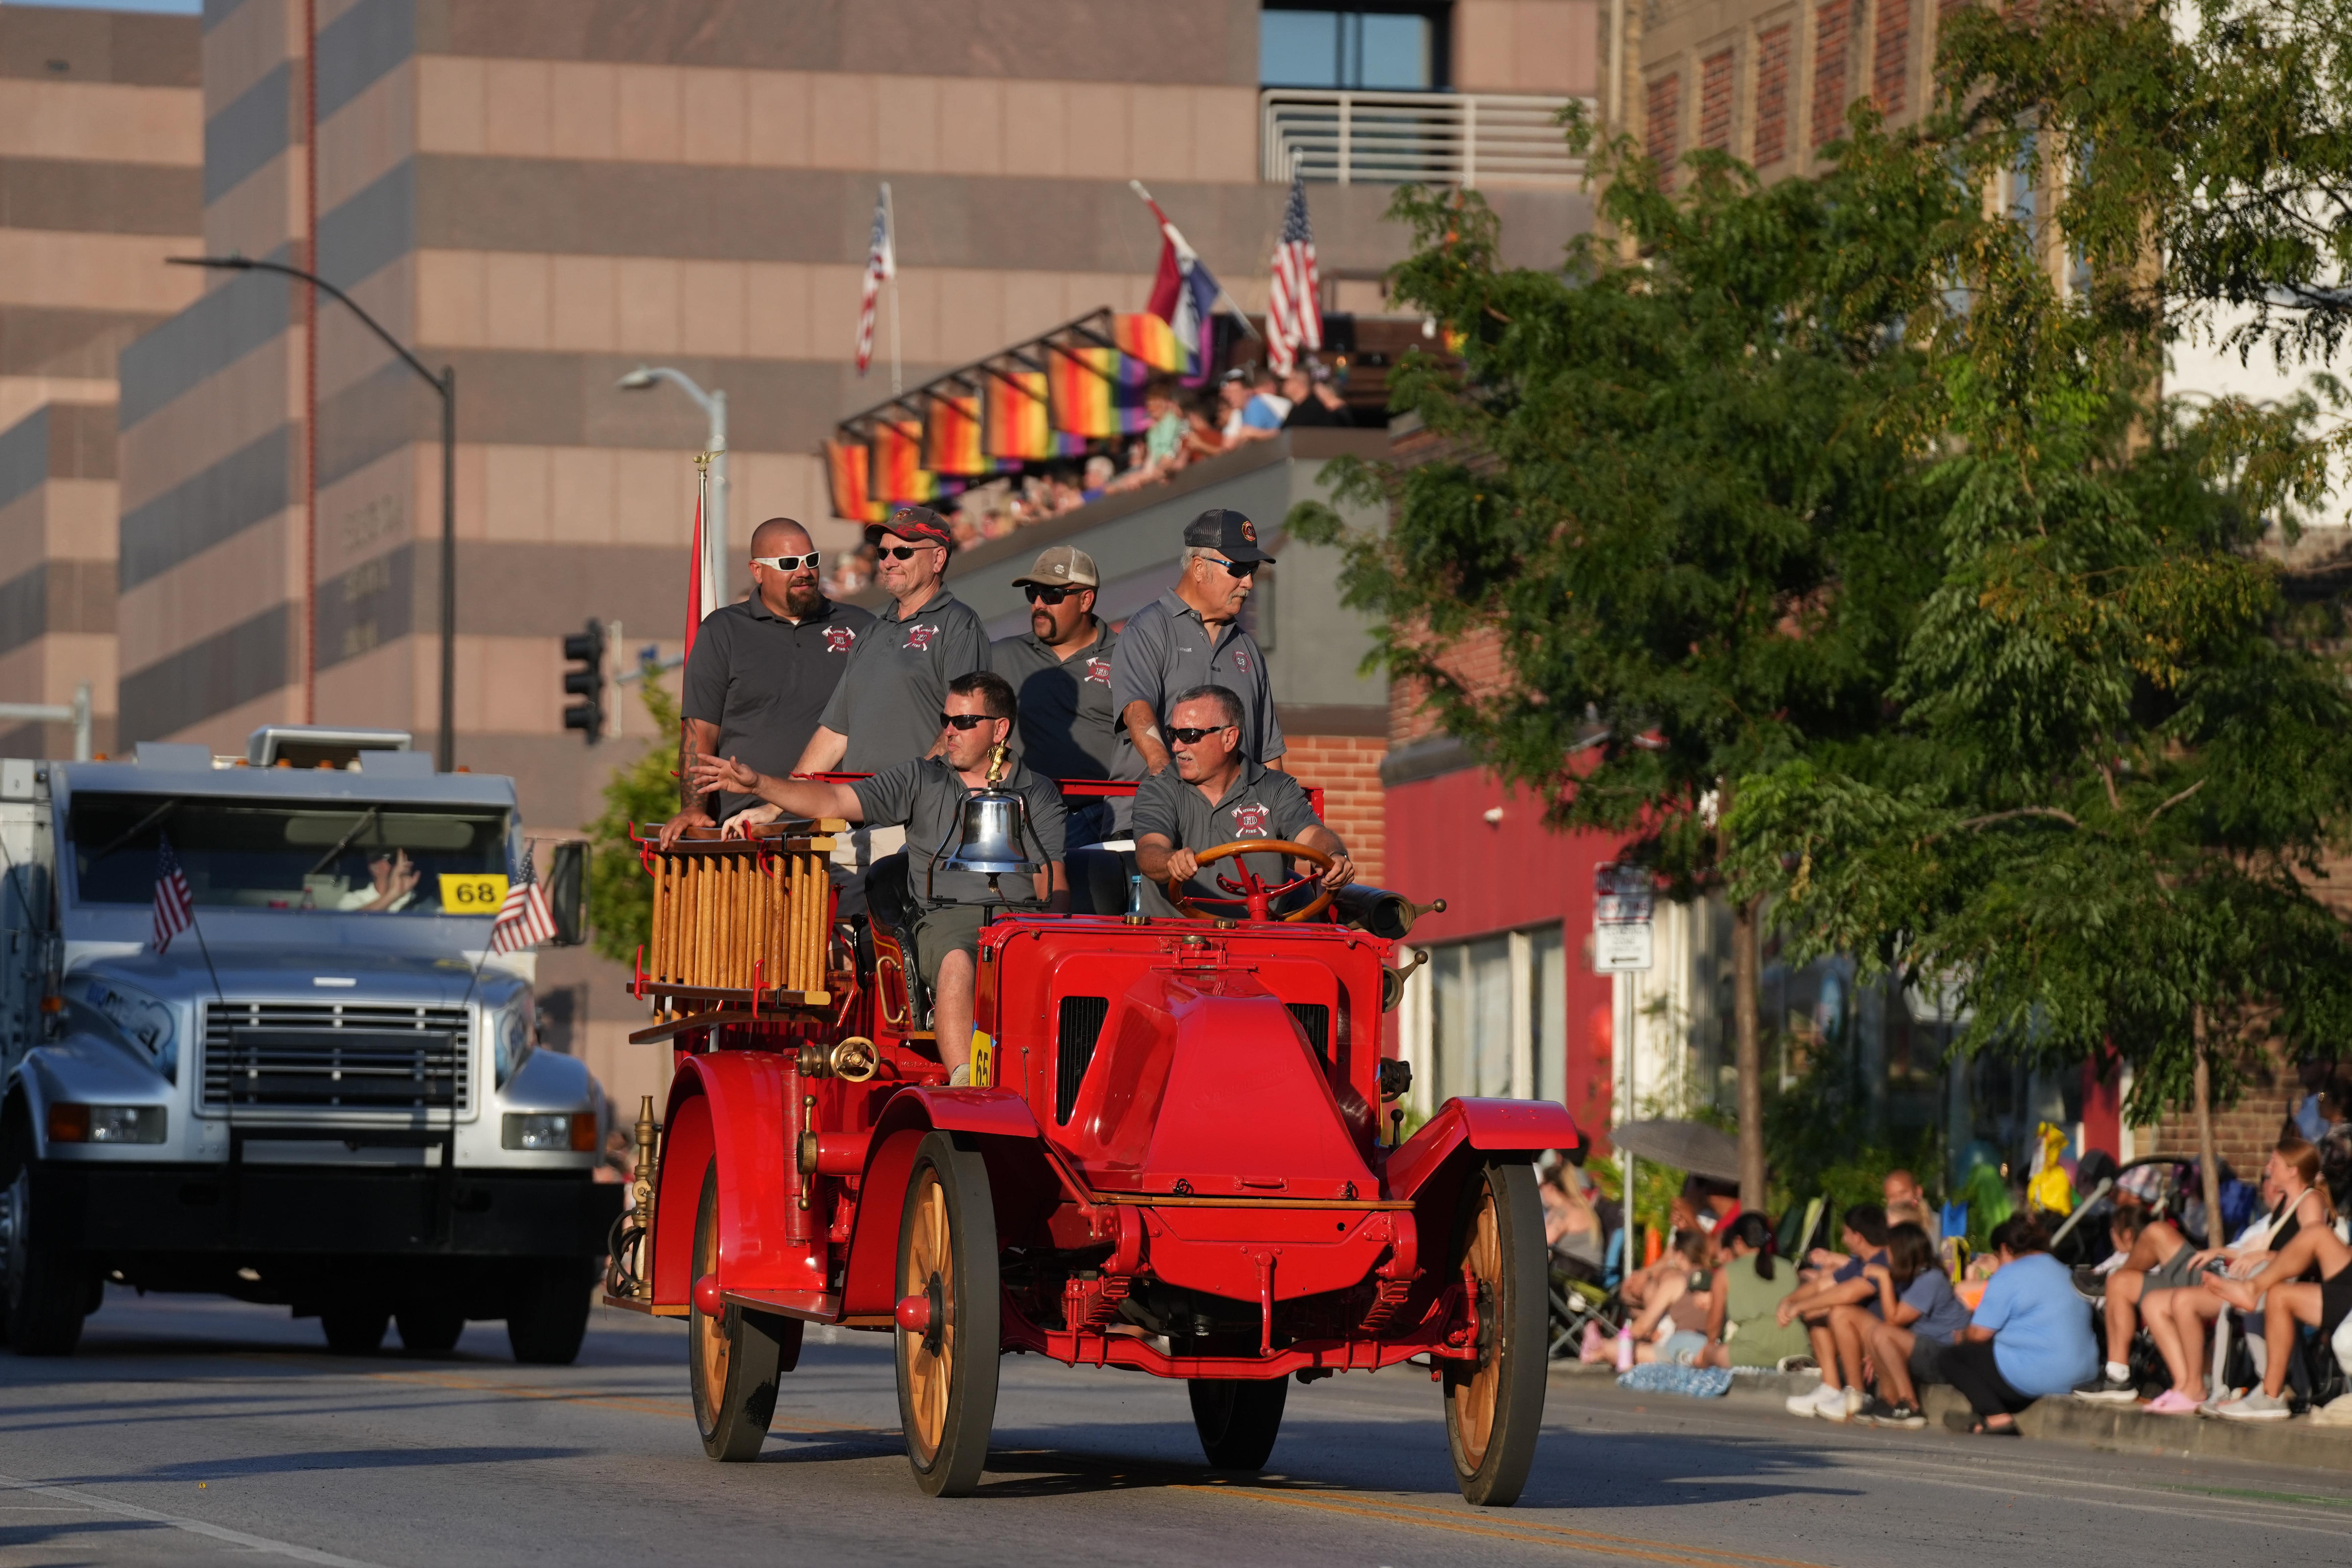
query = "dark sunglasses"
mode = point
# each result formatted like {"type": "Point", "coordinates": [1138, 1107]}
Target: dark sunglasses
{"type": "Point", "coordinates": [787, 563]}
{"type": "Point", "coordinates": [1038, 595]}
{"type": "Point", "coordinates": [963, 720]}
{"type": "Point", "coordinates": [1232, 568]}
{"type": "Point", "coordinates": [902, 552]}
{"type": "Point", "coordinates": [1193, 737]}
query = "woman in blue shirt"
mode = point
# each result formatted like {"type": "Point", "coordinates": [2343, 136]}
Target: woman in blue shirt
{"type": "Point", "coordinates": [2031, 1336]}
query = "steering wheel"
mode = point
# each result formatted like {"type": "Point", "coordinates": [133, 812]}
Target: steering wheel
{"type": "Point", "coordinates": [1250, 891]}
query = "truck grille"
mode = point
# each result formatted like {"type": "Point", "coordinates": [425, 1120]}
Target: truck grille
{"type": "Point", "coordinates": [335, 1057]}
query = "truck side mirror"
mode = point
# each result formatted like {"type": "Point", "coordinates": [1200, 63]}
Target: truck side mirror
{"type": "Point", "coordinates": [567, 892]}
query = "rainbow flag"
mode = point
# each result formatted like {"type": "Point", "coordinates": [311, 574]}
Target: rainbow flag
{"type": "Point", "coordinates": [898, 475]}
{"type": "Point", "coordinates": [1127, 394]}
{"type": "Point", "coordinates": [1080, 382]}
{"type": "Point", "coordinates": [1013, 417]}
{"type": "Point", "coordinates": [847, 464]}
{"type": "Point", "coordinates": [952, 436]}
{"type": "Point", "coordinates": [1147, 338]}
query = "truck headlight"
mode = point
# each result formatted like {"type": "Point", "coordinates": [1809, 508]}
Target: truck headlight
{"type": "Point", "coordinates": [550, 1131]}
{"type": "Point", "coordinates": [510, 1043]}
{"type": "Point", "coordinates": [105, 1123]}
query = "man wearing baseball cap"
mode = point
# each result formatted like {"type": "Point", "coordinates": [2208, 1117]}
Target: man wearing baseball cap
{"type": "Point", "coordinates": [1191, 637]}
{"type": "Point", "coordinates": [886, 710]}
{"type": "Point", "coordinates": [1061, 670]}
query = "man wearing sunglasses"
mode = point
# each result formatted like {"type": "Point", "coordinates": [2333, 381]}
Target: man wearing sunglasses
{"type": "Point", "coordinates": [925, 795]}
{"type": "Point", "coordinates": [762, 671]}
{"type": "Point", "coordinates": [1061, 672]}
{"type": "Point", "coordinates": [887, 709]}
{"type": "Point", "coordinates": [1211, 795]}
{"type": "Point", "coordinates": [1191, 635]}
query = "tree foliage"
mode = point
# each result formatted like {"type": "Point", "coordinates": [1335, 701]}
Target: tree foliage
{"type": "Point", "coordinates": [620, 894]}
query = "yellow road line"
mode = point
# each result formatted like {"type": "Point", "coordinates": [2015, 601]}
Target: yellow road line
{"type": "Point", "coordinates": [638, 1407]}
{"type": "Point", "coordinates": [1532, 1532]}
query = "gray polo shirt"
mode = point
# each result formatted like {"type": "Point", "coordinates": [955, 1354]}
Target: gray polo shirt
{"type": "Point", "coordinates": [1067, 729]}
{"type": "Point", "coordinates": [1260, 804]}
{"type": "Point", "coordinates": [765, 682]}
{"type": "Point", "coordinates": [928, 796]}
{"type": "Point", "coordinates": [891, 696]}
{"type": "Point", "coordinates": [1164, 650]}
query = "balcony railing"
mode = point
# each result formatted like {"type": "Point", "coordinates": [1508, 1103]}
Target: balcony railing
{"type": "Point", "coordinates": [1389, 138]}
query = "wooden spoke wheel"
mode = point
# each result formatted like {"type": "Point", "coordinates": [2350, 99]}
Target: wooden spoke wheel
{"type": "Point", "coordinates": [1253, 893]}
{"type": "Point", "coordinates": [1494, 1406]}
{"type": "Point", "coordinates": [733, 1359]}
{"type": "Point", "coordinates": [947, 1285]}
{"type": "Point", "coordinates": [1238, 1419]}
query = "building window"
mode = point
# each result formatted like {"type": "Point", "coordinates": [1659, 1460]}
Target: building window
{"type": "Point", "coordinates": [1368, 48]}
{"type": "Point", "coordinates": [1490, 1020]}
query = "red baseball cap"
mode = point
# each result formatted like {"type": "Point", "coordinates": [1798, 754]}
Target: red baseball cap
{"type": "Point", "coordinates": [913, 522]}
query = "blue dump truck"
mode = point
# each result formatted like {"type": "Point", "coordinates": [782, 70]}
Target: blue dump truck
{"type": "Point", "coordinates": [324, 1092]}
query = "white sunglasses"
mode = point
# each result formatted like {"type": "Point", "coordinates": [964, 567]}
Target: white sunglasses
{"type": "Point", "coordinates": [786, 562]}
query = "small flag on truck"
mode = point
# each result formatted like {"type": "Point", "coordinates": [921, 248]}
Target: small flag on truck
{"type": "Point", "coordinates": [175, 906]}
{"type": "Point", "coordinates": [524, 919]}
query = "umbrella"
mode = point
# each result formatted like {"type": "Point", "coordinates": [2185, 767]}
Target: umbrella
{"type": "Point", "coordinates": [1692, 1146]}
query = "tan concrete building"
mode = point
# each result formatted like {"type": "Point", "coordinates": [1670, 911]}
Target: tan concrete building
{"type": "Point", "coordinates": [102, 148]}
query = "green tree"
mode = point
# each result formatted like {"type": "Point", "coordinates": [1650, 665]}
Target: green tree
{"type": "Point", "coordinates": [1676, 481]}
{"type": "Point", "coordinates": [620, 895]}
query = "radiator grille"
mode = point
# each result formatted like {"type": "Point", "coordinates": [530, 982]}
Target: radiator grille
{"type": "Point", "coordinates": [1316, 1019]}
{"type": "Point", "coordinates": [1082, 1022]}
{"type": "Point", "coordinates": [336, 1056]}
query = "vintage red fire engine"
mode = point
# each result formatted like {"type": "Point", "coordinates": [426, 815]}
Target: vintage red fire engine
{"type": "Point", "coordinates": [1179, 1154]}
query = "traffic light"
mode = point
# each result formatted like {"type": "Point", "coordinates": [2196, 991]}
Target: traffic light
{"type": "Point", "coordinates": [585, 651]}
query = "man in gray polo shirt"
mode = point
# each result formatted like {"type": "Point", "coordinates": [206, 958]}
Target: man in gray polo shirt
{"type": "Point", "coordinates": [887, 709]}
{"type": "Point", "coordinates": [1060, 670]}
{"type": "Point", "coordinates": [1191, 637]}
{"type": "Point", "coordinates": [762, 671]}
{"type": "Point", "coordinates": [1211, 795]}
{"type": "Point", "coordinates": [926, 794]}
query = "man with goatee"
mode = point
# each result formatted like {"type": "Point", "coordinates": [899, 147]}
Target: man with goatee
{"type": "Point", "coordinates": [762, 671]}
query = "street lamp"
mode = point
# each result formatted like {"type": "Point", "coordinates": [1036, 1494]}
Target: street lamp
{"type": "Point", "coordinates": [713, 565]}
{"type": "Point", "coordinates": [446, 384]}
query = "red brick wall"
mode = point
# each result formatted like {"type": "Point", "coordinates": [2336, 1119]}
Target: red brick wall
{"type": "Point", "coordinates": [1664, 127]}
{"type": "Point", "coordinates": [2243, 1135]}
{"type": "Point", "coordinates": [1833, 42]}
{"type": "Point", "coordinates": [1715, 101]}
{"type": "Point", "coordinates": [1477, 661]}
{"type": "Point", "coordinates": [1347, 769]}
{"type": "Point", "coordinates": [1771, 95]}
{"type": "Point", "coordinates": [1890, 66]}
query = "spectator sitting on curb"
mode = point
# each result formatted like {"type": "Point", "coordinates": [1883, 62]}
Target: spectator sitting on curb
{"type": "Point", "coordinates": [1838, 1281]}
{"type": "Point", "coordinates": [1672, 1328]}
{"type": "Point", "coordinates": [2182, 1321]}
{"type": "Point", "coordinates": [2285, 1297]}
{"type": "Point", "coordinates": [1572, 1228]}
{"type": "Point", "coordinates": [2029, 1338]}
{"type": "Point", "coordinates": [1743, 1325]}
{"type": "Point", "coordinates": [2155, 1258]}
{"type": "Point", "coordinates": [1918, 1318]}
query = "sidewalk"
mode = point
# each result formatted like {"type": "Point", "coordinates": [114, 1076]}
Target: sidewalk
{"type": "Point", "coordinates": [2123, 1429]}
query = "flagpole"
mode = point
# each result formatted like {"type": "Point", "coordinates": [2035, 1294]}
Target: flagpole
{"type": "Point", "coordinates": [890, 238]}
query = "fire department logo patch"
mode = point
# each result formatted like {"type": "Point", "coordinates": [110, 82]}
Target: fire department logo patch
{"type": "Point", "coordinates": [1249, 821]}
{"type": "Point", "coordinates": [1249, 531]}
{"type": "Point", "coordinates": [919, 639]}
{"type": "Point", "coordinates": [1241, 659]}
{"type": "Point", "coordinates": [840, 639]}
{"type": "Point", "coordinates": [1099, 669]}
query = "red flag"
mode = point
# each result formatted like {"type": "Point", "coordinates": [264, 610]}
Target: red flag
{"type": "Point", "coordinates": [694, 579]}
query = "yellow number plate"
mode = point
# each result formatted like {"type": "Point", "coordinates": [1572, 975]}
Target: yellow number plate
{"type": "Point", "coordinates": [464, 893]}
{"type": "Point", "coordinates": [984, 1061]}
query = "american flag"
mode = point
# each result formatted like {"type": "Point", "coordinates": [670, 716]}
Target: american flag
{"type": "Point", "coordinates": [175, 906]}
{"type": "Point", "coordinates": [881, 265]}
{"type": "Point", "coordinates": [524, 919]}
{"type": "Point", "coordinates": [1294, 316]}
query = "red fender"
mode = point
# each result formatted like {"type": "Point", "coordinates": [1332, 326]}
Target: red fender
{"type": "Point", "coordinates": [727, 1107]}
{"type": "Point", "coordinates": [870, 1282]}
{"type": "Point", "coordinates": [1490, 1126]}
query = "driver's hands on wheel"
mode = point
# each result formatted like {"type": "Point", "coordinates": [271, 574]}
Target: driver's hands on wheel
{"type": "Point", "coordinates": [1183, 866]}
{"type": "Point", "coordinates": [1339, 873]}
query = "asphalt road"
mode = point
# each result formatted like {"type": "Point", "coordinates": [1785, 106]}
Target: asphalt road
{"type": "Point", "coordinates": [192, 1431]}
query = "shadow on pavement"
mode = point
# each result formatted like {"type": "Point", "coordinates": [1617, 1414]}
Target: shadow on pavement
{"type": "Point", "coordinates": [320, 1459]}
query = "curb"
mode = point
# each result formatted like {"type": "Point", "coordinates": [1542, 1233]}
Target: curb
{"type": "Point", "coordinates": [2119, 1429]}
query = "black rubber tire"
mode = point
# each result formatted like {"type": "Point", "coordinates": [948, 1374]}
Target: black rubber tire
{"type": "Point", "coordinates": [43, 1293]}
{"type": "Point", "coordinates": [354, 1331]}
{"type": "Point", "coordinates": [1501, 1399]}
{"type": "Point", "coordinates": [1238, 1419]}
{"type": "Point", "coordinates": [429, 1330]}
{"type": "Point", "coordinates": [732, 1361]}
{"type": "Point", "coordinates": [947, 1379]}
{"type": "Point", "coordinates": [547, 1312]}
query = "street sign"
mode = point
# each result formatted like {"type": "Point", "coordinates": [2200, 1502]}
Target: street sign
{"type": "Point", "coordinates": [1624, 897]}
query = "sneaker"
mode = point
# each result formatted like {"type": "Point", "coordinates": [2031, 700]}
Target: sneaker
{"type": "Point", "coordinates": [2255, 1406]}
{"type": "Point", "coordinates": [1819, 1403]}
{"type": "Point", "coordinates": [2171, 1402]}
{"type": "Point", "coordinates": [961, 1078]}
{"type": "Point", "coordinates": [2105, 1390]}
{"type": "Point", "coordinates": [1904, 1415]}
{"type": "Point", "coordinates": [2336, 1412]}
{"type": "Point", "coordinates": [1849, 1406]}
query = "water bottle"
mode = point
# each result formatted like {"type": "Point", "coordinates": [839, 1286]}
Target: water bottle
{"type": "Point", "coordinates": [1135, 915]}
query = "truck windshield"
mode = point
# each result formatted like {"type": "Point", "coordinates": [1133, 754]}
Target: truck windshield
{"type": "Point", "coordinates": [278, 854]}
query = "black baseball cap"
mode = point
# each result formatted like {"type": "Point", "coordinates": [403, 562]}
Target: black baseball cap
{"type": "Point", "coordinates": [1226, 531]}
{"type": "Point", "coordinates": [913, 522]}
